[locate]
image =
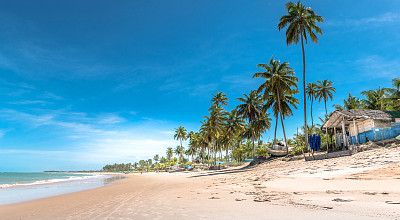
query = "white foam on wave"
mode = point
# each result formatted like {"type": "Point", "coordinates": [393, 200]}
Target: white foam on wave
{"type": "Point", "coordinates": [49, 181]}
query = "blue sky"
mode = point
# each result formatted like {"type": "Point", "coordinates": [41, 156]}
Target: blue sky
{"type": "Point", "coordinates": [87, 83]}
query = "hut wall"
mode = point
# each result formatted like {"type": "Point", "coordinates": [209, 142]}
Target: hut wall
{"type": "Point", "coordinates": [382, 124]}
{"type": "Point", "coordinates": [374, 130]}
{"type": "Point", "coordinates": [396, 127]}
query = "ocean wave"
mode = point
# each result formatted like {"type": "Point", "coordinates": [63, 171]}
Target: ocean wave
{"type": "Point", "coordinates": [49, 181]}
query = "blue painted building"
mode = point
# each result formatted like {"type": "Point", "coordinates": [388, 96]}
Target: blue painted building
{"type": "Point", "coordinates": [360, 126]}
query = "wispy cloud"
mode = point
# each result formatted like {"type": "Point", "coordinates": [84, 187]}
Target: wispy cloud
{"type": "Point", "coordinates": [97, 139]}
{"type": "Point", "coordinates": [389, 17]}
{"type": "Point", "coordinates": [29, 102]}
{"type": "Point", "coordinates": [375, 66]}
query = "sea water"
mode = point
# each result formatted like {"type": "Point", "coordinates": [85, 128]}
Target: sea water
{"type": "Point", "coordinates": [24, 186]}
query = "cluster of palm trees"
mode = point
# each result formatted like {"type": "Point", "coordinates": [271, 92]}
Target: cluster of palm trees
{"type": "Point", "coordinates": [223, 130]}
{"type": "Point", "coordinates": [238, 132]}
{"type": "Point", "coordinates": [376, 99]}
{"type": "Point", "coordinates": [321, 90]}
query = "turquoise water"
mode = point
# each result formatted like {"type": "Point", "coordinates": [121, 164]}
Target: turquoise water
{"type": "Point", "coordinates": [23, 186]}
{"type": "Point", "coordinates": [9, 179]}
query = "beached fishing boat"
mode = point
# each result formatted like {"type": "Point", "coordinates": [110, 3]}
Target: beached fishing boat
{"type": "Point", "coordinates": [277, 149]}
{"type": "Point", "coordinates": [276, 153]}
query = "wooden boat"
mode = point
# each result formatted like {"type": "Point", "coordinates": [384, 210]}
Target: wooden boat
{"type": "Point", "coordinates": [277, 150]}
{"type": "Point", "coordinates": [277, 153]}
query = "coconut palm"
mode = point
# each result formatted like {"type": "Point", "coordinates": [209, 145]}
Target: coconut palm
{"type": "Point", "coordinates": [180, 134]}
{"type": "Point", "coordinates": [279, 78]}
{"type": "Point", "coordinates": [179, 151]}
{"type": "Point", "coordinates": [233, 127]}
{"type": "Point", "coordinates": [375, 99]}
{"type": "Point", "coordinates": [219, 99]}
{"type": "Point", "coordinates": [251, 109]}
{"type": "Point", "coordinates": [287, 102]}
{"type": "Point", "coordinates": [215, 123]}
{"type": "Point", "coordinates": [301, 21]}
{"type": "Point", "coordinates": [311, 91]}
{"type": "Point", "coordinates": [169, 153]}
{"type": "Point", "coordinates": [324, 91]}
{"type": "Point", "coordinates": [156, 158]}
{"type": "Point", "coordinates": [351, 102]}
{"type": "Point", "coordinates": [394, 95]}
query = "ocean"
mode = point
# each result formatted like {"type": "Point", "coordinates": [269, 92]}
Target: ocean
{"type": "Point", "coordinates": [24, 186]}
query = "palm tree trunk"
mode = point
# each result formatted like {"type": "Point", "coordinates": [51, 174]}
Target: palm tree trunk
{"type": "Point", "coordinates": [252, 137]}
{"type": "Point", "coordinates": [276, 126]}
{"type": "Point", "coordinates": [312, 119]}
{"type": "Point", "coordinates": [304, 91]}
{"type": "Point", "coordinates": [326, 111]}
{"type": "Point", "coordinates": [283, 127]}
{"type": "Point", "coordinates": [208, 155]}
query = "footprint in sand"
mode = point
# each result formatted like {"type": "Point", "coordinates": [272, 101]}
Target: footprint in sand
{"type": "Point", "coordinates": [341, 200]}
{"type": "Point", "coordinates": [392, 203]}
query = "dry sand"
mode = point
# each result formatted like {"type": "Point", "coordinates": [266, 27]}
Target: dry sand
{"type": "Point", "coordinates": [363, 186]}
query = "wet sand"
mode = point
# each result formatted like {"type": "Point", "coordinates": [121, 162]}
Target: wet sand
{"type": "Point", "coordinates": [363, 186]}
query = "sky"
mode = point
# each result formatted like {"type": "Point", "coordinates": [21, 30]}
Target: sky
{"type": "Point", "coordinates": [89, 83]}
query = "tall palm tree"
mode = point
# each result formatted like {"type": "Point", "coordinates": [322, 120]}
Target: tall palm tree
{"type": "Point", "coordinates": [311, 91]}
{"type": "Point", "coordinates": [251, 109]}
{"type": "Point", "coordinates": [301, 21]}
{"type": "Point", "coordinates": [324, 91]}
{"type": "Point", "coordinates": [233, 127]}
{"type": "Point", "coordinates": [279, 78]}
{"type": "Point", "coordinates": [179, 150]}
{"type": "Point", "coordinates": [180, 134]}
{"type": "Point", "coordinates": [287, 101]}
{"type": "Point", "coordinates": [169, 153]}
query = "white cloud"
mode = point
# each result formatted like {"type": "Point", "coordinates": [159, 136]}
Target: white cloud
{"type": "Point", "coordinates": [96, 140]}
{"type": "Point", "coordinates": [375, 66]}
{"type": "Point", "coordinates": [388, 17]}
{"type": "Point", "coordinates": [28, 102]}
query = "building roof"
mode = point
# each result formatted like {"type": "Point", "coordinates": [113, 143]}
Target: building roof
{"type": "Point", "coordinates": [336, 117]}
{"type": "Point", "coordinates": [394, 114]}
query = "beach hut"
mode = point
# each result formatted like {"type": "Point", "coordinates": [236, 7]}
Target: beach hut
{"type": "Point", "coordinates": [358, 126]}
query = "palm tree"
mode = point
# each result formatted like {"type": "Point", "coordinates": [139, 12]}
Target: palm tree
{"type": "Point", "coordinates": [219, 99]}
{"type": "Point", "coordinates": [179, 150]}
{"type": "Point", "coordinates": [156, 158]}
{"type": "Point", "coordinates": [279, 78]}
{"type": "Point", "coordinates": [394, 95]}
{"type": "Point", "coordinates": [351, 102]}
{"type": "Point", "coordinates": [375, 99]}
{"type": "Point", "coordinates": [287, 101]}
{"type": "Point", "coordinates": [169, 153]}
{"type": "Point", "coordinates": [214, 124]}
{"type": "Point", "coordinates": [311, 91]}
{"type": "Point", "coordinates": [180, 134]}
{"type": "Point", "coordinates": [234, 126]}
{"type": "Point", "coordinates": [301, 20]}
{"type": "Point", "coordinates": [324, 91]}
{"type": "Point", "coordinates": [251, 109]}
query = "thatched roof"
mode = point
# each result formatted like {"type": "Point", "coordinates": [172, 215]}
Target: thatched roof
{"type": "Point", "coordinates": [336, 117]}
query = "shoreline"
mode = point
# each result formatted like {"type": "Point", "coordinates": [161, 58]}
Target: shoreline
{"type": "Point", "coordinates": [362, 186]}
{"type": "Point", "coordinates": [24, 192]}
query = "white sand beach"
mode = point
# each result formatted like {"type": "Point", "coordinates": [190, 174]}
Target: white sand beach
{"type": "Point", "coordinates": [362, 186]}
